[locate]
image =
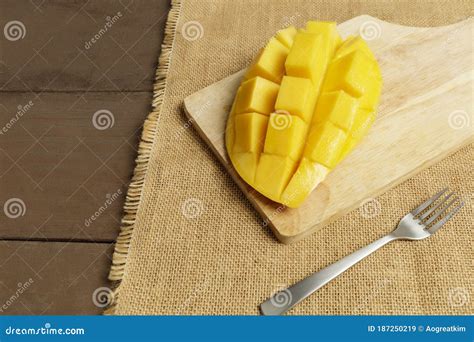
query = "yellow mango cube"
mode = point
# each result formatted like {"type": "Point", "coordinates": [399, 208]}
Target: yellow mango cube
{"type": "Point", "coordinates": [329, 30]}
{"type": "Point", "coordinates": [273, 174]}
{"type": "Point", "coordinates": [371, 97]}
{"type": "Point", "coordinates": [246, 165]}
{"type": "Point", "coordinates": [253, 127]}
{"type": "Point", "coordinates": [306, 178]}
{"type": "Point", "coordinates": [286, 36]}
{"type": "Point", "coordinates": [352, 44]}
{"type": "Point", "coordinates": [256, 95]}
{"type": "Point", "coordinates": [308, 58]}
{"type": "Point", "coordinates": [337, 107]}
{"type": "Point", "coordinates": [270, 63]}
{"type": "Point", "coordinates": [362, 123]}
{"type": "Point", "coordinates": [286, 136]}
{"type": "Point", "coordinates": [296, 97]}
{"type": "Point", "coordinates": [325, 143]}
{"type": "Point", "coordinates": [350, 73]}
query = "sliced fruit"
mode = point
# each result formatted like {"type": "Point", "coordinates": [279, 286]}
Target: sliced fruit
{"type": "Point", "coordinates": [363, 122]}
{"type": "Point", "coordinates": [296, 97]}
{"type": "Point", "coordinates": [329, 30]}
{"type": "Point", "coordinates": [252, 128]}
{"type": "Point", "coordinates": [325, 143]}
{"type": "Point", "coordinates": [273, 174]}
{"type": "Point", "coordinates": [286, 136]}
{"type": "Point", "coordinates": [350, 73]}
{"type": "Point", "coordinates": [306, 101]}
{"type": "Point", "coordinates": [256, 95]}
{"type": "Point", "coordinates": [351, 44]}
{"type": "Point", "coordinates": [308, 58]}
{"type": "Point", "coordinates": [337, 107]}
{"type": "Point", "coordinates": [306, 178]}
{"type": "Point", "coordinates": [246, 165]}
{"type": "Point", "coordinates": [270, 63]}
{"type": "Point", "coordinates": [286, 36]}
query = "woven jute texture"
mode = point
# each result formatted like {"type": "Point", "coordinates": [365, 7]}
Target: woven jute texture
{"type": "Point", "coordinates": [192, 244]}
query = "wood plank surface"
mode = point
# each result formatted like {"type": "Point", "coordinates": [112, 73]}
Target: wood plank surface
{"type": "Point", "coordinates": [81, 45]}
{"type": "Point", "coordinates": [64, 166]}
{"type": "Point", "coordinates": [53, 278]}
{"type": "Point", "coordinates": [63, 169]}
{"type": "Point", "coordinates": [424, 115]}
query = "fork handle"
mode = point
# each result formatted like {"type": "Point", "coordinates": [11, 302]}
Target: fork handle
{"type": "Point", "coordinates": [284, 300]}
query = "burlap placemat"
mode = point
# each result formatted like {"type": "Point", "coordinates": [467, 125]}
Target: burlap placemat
{"type": "Point", "coordinates": [192, 244]}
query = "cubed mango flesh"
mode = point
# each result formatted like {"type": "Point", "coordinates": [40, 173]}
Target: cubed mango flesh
{"type": "Point", "coordinates": [256, 95]}
{"type": "Point", "coordinates": [325, 143]}
{"type": "Point", "coordinates": [329, 31]}
{"type": "Point", "coordinates": [273, 174]}
{"type": "Point", "coordinates": [287, 36]}
{"type": "Point", "coordinates": [305, 103]}
{"type": "Point", "coordinates": [306, 178]}
{"type": "Point", "coordinates": [308, 57]}
{"type": "Point", "coordinates": [286, 136]}
{"type": "Point", "coordinates": [296, 96]}
{"type": "Point", "coordinates": [246, 165]}
{"type": "Point", "coordinates": [270, 63]}
{"type": "Point", "coordinates": [252, 128]}
{"type": "Point", "coordinates": [338, 107]}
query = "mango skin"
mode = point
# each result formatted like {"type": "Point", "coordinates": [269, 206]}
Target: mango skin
{"type": "Point", "coordinates": [305, 103]}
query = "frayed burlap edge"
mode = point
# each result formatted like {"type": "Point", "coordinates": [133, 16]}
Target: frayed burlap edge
{"type": "Point", "coordinates": [145, 147]}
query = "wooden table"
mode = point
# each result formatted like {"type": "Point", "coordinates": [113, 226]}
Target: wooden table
{"type": "Point", "coordinates": [76, 82]}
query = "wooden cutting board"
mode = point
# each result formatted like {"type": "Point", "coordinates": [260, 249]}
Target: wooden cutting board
{"type": "Point", "coordinates": [425, 114]}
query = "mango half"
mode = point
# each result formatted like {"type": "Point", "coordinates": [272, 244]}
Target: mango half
{"type": "Point", "coordinates": [304, 103]}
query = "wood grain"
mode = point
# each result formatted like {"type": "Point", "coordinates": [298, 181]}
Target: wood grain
{"type": "Point", "coordinates": [54, 54]}
{"type": "Point", "coordinates": [67, 84]}
{"type": "Point", "coordinates": [63, 167]}
{"type": "Point", "coordinates": [425, 114]}
{"type": "Point", "coordinates": [56, 278]}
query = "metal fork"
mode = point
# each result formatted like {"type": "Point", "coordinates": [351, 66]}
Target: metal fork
{"type": "Point", "coordinates": [419, 224]}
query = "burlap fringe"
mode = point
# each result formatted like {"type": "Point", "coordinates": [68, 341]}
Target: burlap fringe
{"type": "Point", "coordinates": [134, 193]}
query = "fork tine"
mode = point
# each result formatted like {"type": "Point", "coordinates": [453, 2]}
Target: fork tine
{"type": "Point", "coordinates": [426, 204]}
{"type": "Point", "coordinates": [441, 222]}
{"type": "Point", "coordinates": [443, 210]}
{"type": "Point", "coordinates": [427, 213]}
